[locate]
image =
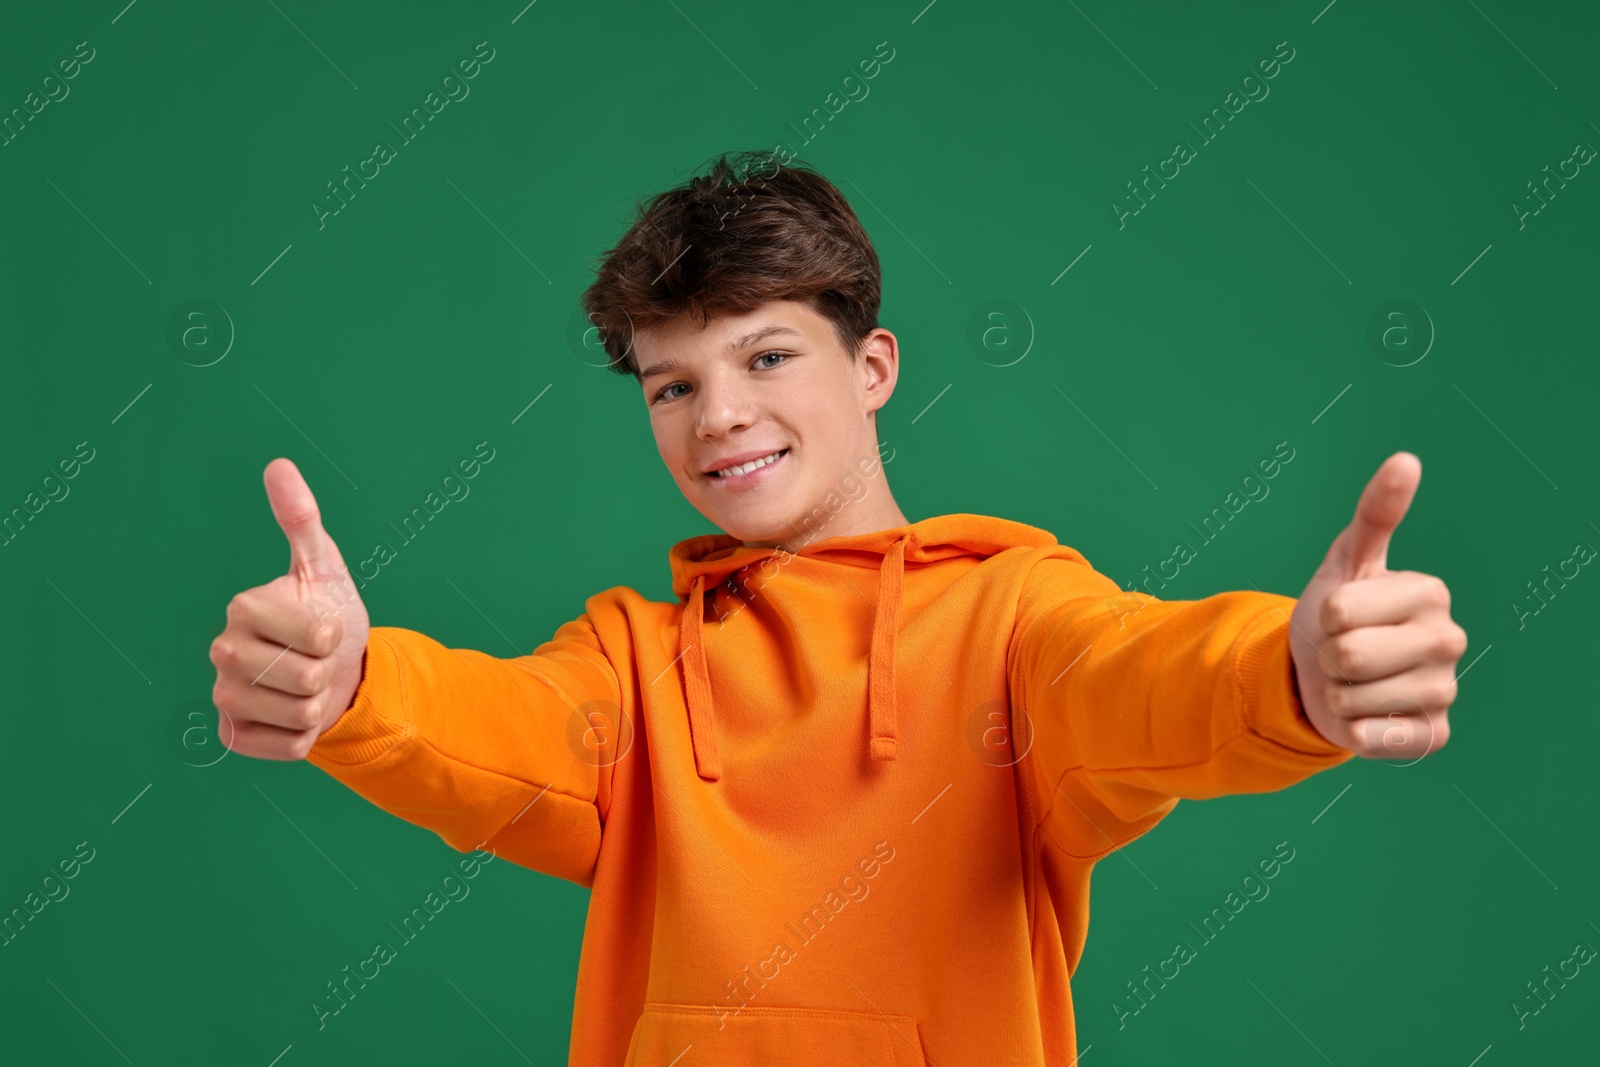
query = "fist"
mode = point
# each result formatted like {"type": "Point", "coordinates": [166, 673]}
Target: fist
{"type": "Point", "coordinates": [290, 659]}
{"type": "Point", "coordinates": [1375, 650]}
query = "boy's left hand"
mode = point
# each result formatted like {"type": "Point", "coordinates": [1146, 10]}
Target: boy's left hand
{"type": "Point", "coordinates": [1375, 650]}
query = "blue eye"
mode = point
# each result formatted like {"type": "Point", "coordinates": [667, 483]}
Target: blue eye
{"type": "Point", "coordinates": [782, 356]}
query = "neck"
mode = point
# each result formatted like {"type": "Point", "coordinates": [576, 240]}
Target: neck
{"type": "Point", "coordinates": [873, 511]}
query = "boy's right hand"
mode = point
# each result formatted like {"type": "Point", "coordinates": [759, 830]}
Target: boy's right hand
{"type": "Point", "coordinates": [291, 656]}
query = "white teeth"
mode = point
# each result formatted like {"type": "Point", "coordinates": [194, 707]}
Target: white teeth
{"type": "Point", "coordinates": [746, 468]}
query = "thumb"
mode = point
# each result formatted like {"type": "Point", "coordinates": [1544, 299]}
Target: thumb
{"type": "Point", "coordinates": [1362, 549]}
{"type": "Point", "coordinates": [311, 551]}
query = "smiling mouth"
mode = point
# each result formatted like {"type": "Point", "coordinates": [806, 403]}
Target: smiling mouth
{"type": "Point", "coordinates": [753, 465]}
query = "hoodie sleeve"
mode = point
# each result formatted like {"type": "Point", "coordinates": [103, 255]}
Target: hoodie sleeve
{"type": "Point", "coordinates": [507, 755]}
{"type": "Point", "coordinates": [1134, 702]}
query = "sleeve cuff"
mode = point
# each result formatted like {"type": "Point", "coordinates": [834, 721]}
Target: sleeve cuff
{"type": "Point", "coordinates": [1264, 671]}
{"type": "Point", "coordinates": [378, 717]}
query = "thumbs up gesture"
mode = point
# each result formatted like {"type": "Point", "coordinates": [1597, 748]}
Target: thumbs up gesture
{"type": "Point", "coordinates": [291, 656]}
{"type": "Point", "coordinates": [1375, 650]}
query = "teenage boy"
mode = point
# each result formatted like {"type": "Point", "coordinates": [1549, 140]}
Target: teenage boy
{"type": "Point", "coordinates": [840, 801]}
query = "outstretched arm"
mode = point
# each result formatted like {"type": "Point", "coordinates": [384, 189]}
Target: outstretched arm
{"type": "Point", "coordinates": [512, 756]}
{"type": "Point", "coordinates": [1129, 703]}
{"type": "Point", "coordinates": [1134, 702]}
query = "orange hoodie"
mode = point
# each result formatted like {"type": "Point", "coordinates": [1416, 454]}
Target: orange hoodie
{"type": "Point", "coordinates": [839, 805]}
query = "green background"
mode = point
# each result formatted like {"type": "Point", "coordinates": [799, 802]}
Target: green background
{"type": "Point", "coordinates": [1230, 314]}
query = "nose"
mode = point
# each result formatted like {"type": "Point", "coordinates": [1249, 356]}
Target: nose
{"type": "Point", "coordinates": [724, 406]}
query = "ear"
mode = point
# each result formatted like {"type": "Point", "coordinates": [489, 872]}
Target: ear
{"type": "Point", "coordinates": [878, 368]}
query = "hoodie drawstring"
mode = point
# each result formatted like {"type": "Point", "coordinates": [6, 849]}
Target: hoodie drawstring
{"type": "Point", "coordinates": [882, 719]}
{"type": "Point", "coordinates": [697, 682]}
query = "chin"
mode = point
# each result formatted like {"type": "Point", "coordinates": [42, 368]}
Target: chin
{"type": "Point", "coordinates": [753, 525]}
{"type": "Point", "coordinates": [752, 532]}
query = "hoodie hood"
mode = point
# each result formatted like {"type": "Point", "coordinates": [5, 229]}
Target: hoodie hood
{"type": "Point", "coordinates": [702, 565]}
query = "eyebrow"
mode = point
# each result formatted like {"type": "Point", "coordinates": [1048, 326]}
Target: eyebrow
{"type": "Point", "coordinates": [673, 366]}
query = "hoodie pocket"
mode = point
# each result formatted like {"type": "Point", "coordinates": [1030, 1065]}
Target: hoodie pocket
{"type": "Point", "coordinates": [687, 1035]}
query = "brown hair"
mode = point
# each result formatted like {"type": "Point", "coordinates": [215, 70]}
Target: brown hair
{"type": "Point", "coordinates": [755, 228]}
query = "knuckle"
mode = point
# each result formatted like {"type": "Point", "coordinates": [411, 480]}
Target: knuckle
{"type": "Point", "coordinates": [222, 698]}
{"type": "Point", "coordinates": [300, 515]}
{"type": "Point", "coordinates": [1441, 733]}
{"type": "Point", "coordinates": [324, 636]}
{"type": "Point", "coordinates": [1444, 692]}
{"type": "Point", "coordinates": [1439, 591]}
{"type": "Point", "coordinates": [1455, 642]}
{"type": "Point", "coordinates": [1337, 695]}
{"type": "Point", "coordinates": [305, 715]}
{"type": "Point", "coordinates": [307, 678]}
{"type": "Point", "coordinates": [1334, 613]}
{"type": "Point", "coordinates": [301, 746]}
{"type": "Point", "coordinates": [223, 653]}
{"type": "Point", "coordinates": [1346, 655]}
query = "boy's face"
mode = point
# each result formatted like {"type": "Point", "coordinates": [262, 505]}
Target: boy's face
{"type": "Point", "coordinates": [771, 380]}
